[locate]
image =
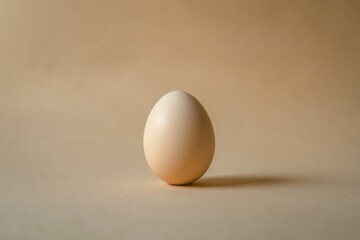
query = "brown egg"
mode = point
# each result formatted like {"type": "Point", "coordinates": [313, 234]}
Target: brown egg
{"type": "Point", "coordinates": [179, 140]}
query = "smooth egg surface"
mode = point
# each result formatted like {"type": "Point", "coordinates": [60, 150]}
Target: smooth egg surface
{"type": "Point", "coordinates": [179, 139]}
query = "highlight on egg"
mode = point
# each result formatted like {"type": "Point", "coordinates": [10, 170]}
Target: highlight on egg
{"type": "Point", "coordinates": [179, 139]}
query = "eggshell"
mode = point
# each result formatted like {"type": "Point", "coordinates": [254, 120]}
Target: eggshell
{"type": "Point", "coordinates": [179, 139]}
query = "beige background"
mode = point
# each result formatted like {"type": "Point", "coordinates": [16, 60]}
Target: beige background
{"type": "Point", "coordinates": [280, 80]}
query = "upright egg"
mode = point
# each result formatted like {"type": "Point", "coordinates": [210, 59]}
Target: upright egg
{"type": "Point", "coordinates": [179, 139]}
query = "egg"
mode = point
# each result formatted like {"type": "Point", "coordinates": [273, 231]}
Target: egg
{"type": "Point", "coordinates": [179, 139]}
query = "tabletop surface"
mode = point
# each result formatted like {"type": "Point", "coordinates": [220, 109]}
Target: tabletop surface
{"type": "Point", "coordinates": [280, 81]}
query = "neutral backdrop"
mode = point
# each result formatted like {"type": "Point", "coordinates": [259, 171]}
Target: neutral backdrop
{"type": "Point", "coordinates": [279, 79]}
